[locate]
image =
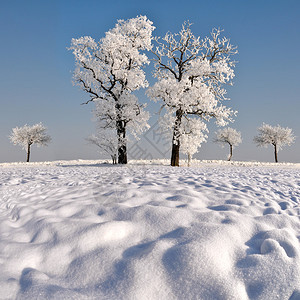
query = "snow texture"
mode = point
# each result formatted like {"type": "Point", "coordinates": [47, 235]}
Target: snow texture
{"type": "Point", "coordinates": [88, 230]}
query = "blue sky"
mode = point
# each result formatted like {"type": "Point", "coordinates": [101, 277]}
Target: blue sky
{"type": "Point", "coordinates": [36, 68]}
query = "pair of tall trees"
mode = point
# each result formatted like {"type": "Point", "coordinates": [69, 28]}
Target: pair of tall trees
{"type": "Point", "coordinates": [190, 73]}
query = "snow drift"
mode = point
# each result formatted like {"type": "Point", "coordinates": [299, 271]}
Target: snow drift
{"type": "Point", "coordinates": [94, 231]}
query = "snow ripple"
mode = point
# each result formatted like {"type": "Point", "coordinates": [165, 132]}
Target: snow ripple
{"type": "Point", "coordinates": [149, 232]}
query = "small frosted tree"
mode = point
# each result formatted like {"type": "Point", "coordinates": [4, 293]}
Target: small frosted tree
{"type": "Point", "coordinates": [110, 71]}
{"type": "Point", "coordinates": [107, 144]}
{"type": "Point", "coordinates": [191, 72]}
{"type": "Point", "coordinates": [192, 136]}
{"type": "Point", "coordinates": [274, 135]}
{"type": "Point", "coordinates": [228, 136]}
{"type": "Point", "coordinates": [27, 136]}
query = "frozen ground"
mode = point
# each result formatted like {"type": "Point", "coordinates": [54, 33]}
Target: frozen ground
{"type": "Point", "coordinates": [84, 230]}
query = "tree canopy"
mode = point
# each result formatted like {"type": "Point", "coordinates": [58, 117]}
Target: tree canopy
{"type": "Point", "coordinates": [191, 72]}
{"type": "Point", "coordinates": [28, 135]}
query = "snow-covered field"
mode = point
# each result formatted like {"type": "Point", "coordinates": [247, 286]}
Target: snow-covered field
{"type": "Point", "coordinates": [84, 230]}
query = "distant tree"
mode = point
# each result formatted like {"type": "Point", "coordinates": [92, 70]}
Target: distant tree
{"type": "Point", "coordinates": [228, 136]}
{"type": "Point", "coordinates": [110, 70]}
{"type": "Point", "coordinates": [107, 143]}
{"type": "Point", "coordinates": [276, 136]}
{"type": "Point", "coordinates": [192, 136]}
{"type": "Point", "coordinates": [190, 74]}
{"type": "Point", "coordinates": [27, 136]}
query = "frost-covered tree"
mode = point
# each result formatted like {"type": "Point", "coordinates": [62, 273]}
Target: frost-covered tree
{"type": "Point", "coordinates": [191, 72]}
{"type": "Point", "coordinates": [192, 136]}
{"type": "Point", "coordinates": [274, 135]}
{"type": "Point", "coordinates": [27, 136]}
{"type": "Point", "coordinates": [107, 143]}
{"type": "Point", "coordinates": [228, 136]}
{"type": "Point", "coordinates": [110, 71]}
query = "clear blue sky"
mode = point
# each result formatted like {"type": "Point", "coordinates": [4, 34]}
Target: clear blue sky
{"type": "Point", "coordinates": [36, 68]}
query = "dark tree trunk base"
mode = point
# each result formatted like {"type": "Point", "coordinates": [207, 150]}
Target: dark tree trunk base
{"type": "Point", "coordinates": [122, 148]}
{"type": "Point", "coordinates": [175, 155]}
{"type": "Point", "coordinates": [275, 152]}
{"type": "Point", "coordinates": [122, 155]}
{"type": "Point", "coordinates": [230, 155]}
{"type": "Point", "coordinates": [28, 153]}
{"type": "Point", "coordinates": [175, 140]}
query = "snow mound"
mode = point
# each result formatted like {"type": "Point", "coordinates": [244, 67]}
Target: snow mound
{"type": "Point", "coordinates": [92, 231]}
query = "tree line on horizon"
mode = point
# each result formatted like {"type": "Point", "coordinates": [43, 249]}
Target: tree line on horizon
{"type": "Point", "coordinates": [191, 74]}
{"type": "Point", "coordinates": [277, 136]}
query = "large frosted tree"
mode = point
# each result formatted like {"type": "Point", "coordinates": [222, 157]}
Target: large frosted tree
{"type": "Point", "coordinates": [274, 135]}
{"type": "Point", "coordinates": [110, 71]}
{"type": "Point", "coordinates": [27, 136]}
{"type": "Point", "coordinates": [191, 72]}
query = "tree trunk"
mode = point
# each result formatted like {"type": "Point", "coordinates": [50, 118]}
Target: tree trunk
{"type": "Point", "coordinates": [28, 152]}
{"type": "Point", "coordinates": [275, 152]}
{"type": "Point", "coordinates": [189, 159]}
{"type": "Point", "coordinates": [122, 148]}
{"type": "Point", "coordinates": [175, 155]}
{"type": "Point", "coordinates": [175, 140]}
{"type": "Point", "coordinates": [230, 155]}
{"type": "Point", "coordinates": [114, 159]}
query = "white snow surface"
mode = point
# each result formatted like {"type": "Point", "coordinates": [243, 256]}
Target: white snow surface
{"type": "Point", "coordinates": [88, 230]}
